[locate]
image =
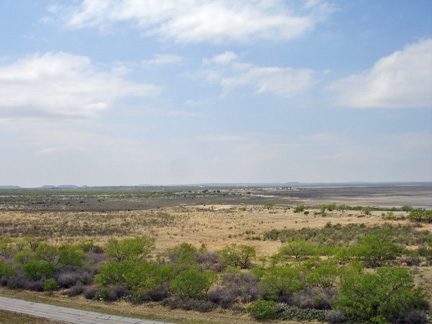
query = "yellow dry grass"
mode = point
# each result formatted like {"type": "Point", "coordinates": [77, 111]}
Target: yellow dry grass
{"type": "Point", "coordinates": [213, 225]}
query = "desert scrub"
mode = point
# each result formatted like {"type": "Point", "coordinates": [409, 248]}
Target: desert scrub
{"type": "Point", "coordinates": [381, 297]}
{"type": "Point", "coordinates": [263, 310]}
{"type": "Point", "coordinates": [402, 234]}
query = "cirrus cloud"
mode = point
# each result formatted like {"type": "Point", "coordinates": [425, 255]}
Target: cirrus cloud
{"type": "Point", "coordinates": [62, 84]}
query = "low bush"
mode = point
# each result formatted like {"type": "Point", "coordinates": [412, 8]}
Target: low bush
{"type": "Point", "coordinates": [299, 314]}
{"type": "Point", "coordinates": [335, 316]}
{"type": "Point", "coordinates": [116, 292]}
{"type": "Point", "coordinates": [90, 292]}
{"type": "Point", "coordinates": [71, 278]}
{"type": "Point", "coordinates": [50, 285]}
{"type": "Point", "coordinates": [223, 297]}
{"type": "Point", "coordinates": [313, 297]}
{"type": "Point", "coordinates": [75, 291]}
{"type": "Point", "coordinates": [420, 215]}
{"type": "Point", "coordinates": [415, 317]}
{"type": "Point", "coordinates": [189, 304]}
{"type": "Point", "coordinates": [300, 208]}
{"type": "Point", "coordinates": [263, 310]}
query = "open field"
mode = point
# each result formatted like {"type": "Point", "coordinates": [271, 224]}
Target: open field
{"type": "Point", "coordinates": [210, 217]}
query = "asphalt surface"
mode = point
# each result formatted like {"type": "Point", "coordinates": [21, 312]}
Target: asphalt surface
{"type": "Point", "coordinates": [68, 315]}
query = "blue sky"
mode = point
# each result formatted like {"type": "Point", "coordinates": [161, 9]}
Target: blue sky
{"type": "Point", "coordinates": [129, 92]}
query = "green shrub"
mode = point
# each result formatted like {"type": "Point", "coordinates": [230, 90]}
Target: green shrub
{"type": "Point", "coordinates": [298, 249]}
{"type": "Point", "coordinates": [321, 273]}
{"type": "Point", "coordinates": [38, 270]}
{"type": "Point", "coordinates": [420, 215]}
{"type": "Point", "coordinates": [300, 208]}
{"type": "Point", "coordinates": [263, 310]}
{"type": "Point", "coordinates": [183, 252]}
{"type": "Point", "coordinates": [238, 255]}
{"type": "Point", "coordinates": [299, 314]}
{"type": "Point", "coordinates": [5, 272]}
{"type": "Point", "coordinates": [406, 208]}
{"type": "Point", "coordinates": [69, 255]}
{"type": "Point", "coordinates": [135, 276]}
{"type": "Point", "coordinates": [193, 283]}
{"type": "Point", "coordinates": [50, 285]}
{"type": "Point", "coordinates": [280, 281]}
{"type": "Point", "coordinates": [6, 247]}
{"type": "Point", "coordinates": [269, 206]}
{"type": "Point", "coordinates": [381, 297]}
{"type": "Point", "coordinates": [131, 249]}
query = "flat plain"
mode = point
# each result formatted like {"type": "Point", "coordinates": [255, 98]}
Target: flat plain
{"type": "Point", "coordinates": [204, 216]}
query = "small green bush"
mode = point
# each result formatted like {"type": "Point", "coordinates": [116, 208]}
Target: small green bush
{"type": "Point", "coordinates": [300, 208]}
{"type": "Point", "coordinates": [299, 314]}
{"type": "Point", "coordinates": [263, 310]}
{"type": "Point", "coordinates": [50, 285]}
{"type": "Point", "coordinates": [420, 215]}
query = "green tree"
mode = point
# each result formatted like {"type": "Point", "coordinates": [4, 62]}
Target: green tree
{"type": "Point", "coordinates": [380, 297]}
{"type": "Point", "coordinates": [238, 255]}
{"type": "Point", "coordinates": [182, 252]}
{"type": "Point", "coordinates": [376, 248]}
{"type": "Point", "coordinates": [135, 276]}
{"type": "Point", "coordinates": [321, 273]}
{"type": "Point", "coordinates": [36, 270]}
{"type": "Point", "coordinates": [193, 283]}
{"type": "Point", "coordinates": [298, 249]}
{"type": "Point", "coordinates": [281, 280]}
{"type": "Point", "coordinates": [69, 255]}
{"type": "Point", "coordinates": [132, 249]}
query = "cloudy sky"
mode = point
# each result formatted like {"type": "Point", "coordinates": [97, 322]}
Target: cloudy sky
{"type": "Point", "coordinates": [129, 92]}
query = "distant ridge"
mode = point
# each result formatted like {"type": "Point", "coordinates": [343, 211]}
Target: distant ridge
{"type": "Point", "coordinates": [59, 187]}
{"type": "Point", "coordinates": [228, 184]}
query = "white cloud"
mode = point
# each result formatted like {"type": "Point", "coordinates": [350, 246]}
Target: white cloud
{"type": "Point", "coordinates": [197, 20]}
{"type": "Point", "coordinates": [223, 59]}
{"type": "Point", "coordinates": [61, 84]}
{"type": "Point", "coordinates": [281, 81]}
{"type": "Point", "coordinates": [163, 59]}
{"type": "Point", "coordinates": [402, 79]}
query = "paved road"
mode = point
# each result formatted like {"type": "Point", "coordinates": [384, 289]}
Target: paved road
{"type": "Point", "coordinates": [68, 315]}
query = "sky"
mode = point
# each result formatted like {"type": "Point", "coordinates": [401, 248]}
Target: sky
{"type": "Point", "coordinates": [130, 92]}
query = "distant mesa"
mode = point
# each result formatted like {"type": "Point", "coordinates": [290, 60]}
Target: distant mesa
{"type": "Point", "coordinates": [10, 187]}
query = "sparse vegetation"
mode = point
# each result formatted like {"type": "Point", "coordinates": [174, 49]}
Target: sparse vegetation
{"type": "Point", "coordinates": [314, 271]}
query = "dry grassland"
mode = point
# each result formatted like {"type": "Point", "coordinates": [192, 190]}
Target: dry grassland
{"type": "Point", "coordinates": [213, 225]}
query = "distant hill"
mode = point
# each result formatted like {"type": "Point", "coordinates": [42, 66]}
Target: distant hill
{"type": "Point", "coordinates": [59, 187]}
{"type": "Point", "coordinates": [10, 187]}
